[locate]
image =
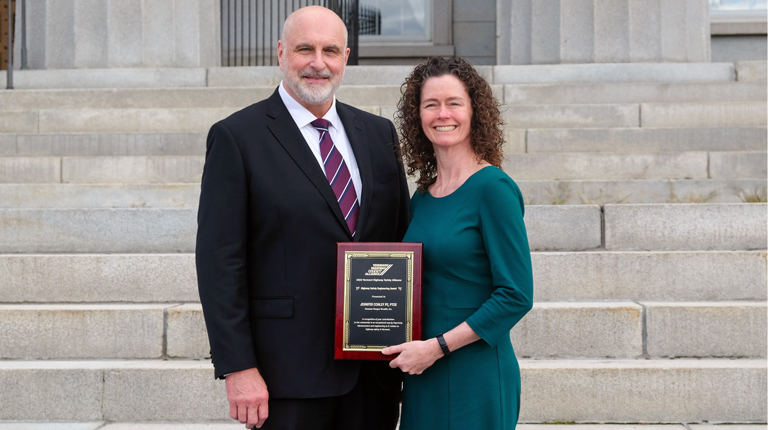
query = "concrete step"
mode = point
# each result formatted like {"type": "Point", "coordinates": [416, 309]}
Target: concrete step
{"type": "Point", "coordinates": [724, 114]}
{"type": "Point", "coordinates": [380, 75]}
{"type": "Point", "coordinates": [194, 98]}
{"type": "Point", "coordinates": [564, 166]}
{"type": "Point", "coordinates": [573, 192]}
{"type": "Point", "coordinates": [234, 425]}
{"type": "Point", "coordinates": [683, 329]}
{"type": "Point", "coordinates": [616, 330]}
{"type": "Point", "coordinates": [752, 71]}
{"type": "Point", "coordinates": [378, 94]}
{"type": "Point", "coordinates": [644, 139]}
{"type": "Point", "coordinates": [87, 144]}
{"type": "Point", "coordinates": [535, 166]}
{"type": "Point", "coordinates": [694, 276]}
{"type": "Point", "coordinates": [560, 73]}
{"type": "Point", "coordinates": [656, 115]}
{"type": "Point", "coordinates": [550, 330]}
{"type": "Point", "coordinates": [732, 165]}
{"type": "Point", "coordinates": [702, 226]}
{"type": "Point", "coordinates": [601, 192]}
{"type": "Point", "coordinates": [108, 78]}
{"type": "Point", "coordinates": [163, 230]}
{"type": "Point", "coordinates": [571, 116]}
{"type": "Point", "coordinates": [639, 276]}
{"type": "Point", "coordinates": [518, 140]}
{"type": "Point", "coordinates": [660, 165]}
{"type": "Point", "coordinates": [555, 390]}
{"type": "Point", "coordinates": [619, 72]}
{"type": "Point", "coordinates": [550, 228]}
{"type": "Point", "coordinates": [82, 331]}
{"type": "Point", "coordinates": [636, 92]}
{"type": "Point", "coordinates": [199, 120]}
{"type": "Point", "coordinates": [165, 195]}
{"type": "Point", "coordinates": [112, 120]}
{"type": "Point", "coordinates": [105, 170]}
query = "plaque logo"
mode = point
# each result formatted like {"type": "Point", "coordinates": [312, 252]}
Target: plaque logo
{"type": "Point", "coordinates": [378, 269]}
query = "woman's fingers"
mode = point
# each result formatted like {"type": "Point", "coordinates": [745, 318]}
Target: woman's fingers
{"type": "Point", "coordinates": [393, 349]}
{"type": "Point", "coordinates": [414, 358]}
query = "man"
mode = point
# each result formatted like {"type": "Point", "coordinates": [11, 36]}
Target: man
{"type": "Point", "coordinates": [286, 179]}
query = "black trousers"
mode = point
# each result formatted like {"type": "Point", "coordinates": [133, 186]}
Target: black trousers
{"type": "Point", "coordinates": [367, 407]}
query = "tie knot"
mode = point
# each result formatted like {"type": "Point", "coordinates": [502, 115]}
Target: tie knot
{"type": "Point", "coordinates": [321, 124]}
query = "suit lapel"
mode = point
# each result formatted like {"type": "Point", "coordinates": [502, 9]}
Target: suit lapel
{"type": "Point", "coordinates": [286, 132]}
{"type": "Point", "coordinates": [358, 138]}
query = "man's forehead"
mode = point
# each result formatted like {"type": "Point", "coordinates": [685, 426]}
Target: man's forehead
{"type": "Point", "coordinates": [305, 35]}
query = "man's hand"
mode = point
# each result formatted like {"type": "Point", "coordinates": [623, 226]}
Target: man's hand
{"type": "Point", "coordinates": [415, 357]}
{"type": "Point", "coordinates": [248, 397]}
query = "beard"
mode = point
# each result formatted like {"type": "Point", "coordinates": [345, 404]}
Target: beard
{"type": "Point", "coordinates": [313, 93]}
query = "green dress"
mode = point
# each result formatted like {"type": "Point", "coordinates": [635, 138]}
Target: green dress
{"type": "Point", "coordinates": [477, 268]}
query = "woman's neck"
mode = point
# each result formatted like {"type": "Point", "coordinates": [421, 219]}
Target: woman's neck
{"type": "Point", "coordinates": [454, 166]}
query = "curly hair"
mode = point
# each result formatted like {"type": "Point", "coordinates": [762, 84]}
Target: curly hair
{"type": "Point", "coordinates": [486, 128]}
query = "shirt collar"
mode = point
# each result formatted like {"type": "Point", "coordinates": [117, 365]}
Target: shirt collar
{"type": "Point", "coordinates": [301, 116]}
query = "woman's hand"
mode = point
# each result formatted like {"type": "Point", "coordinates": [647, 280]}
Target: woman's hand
{"type": "Point", "coordinates": [416, 356]}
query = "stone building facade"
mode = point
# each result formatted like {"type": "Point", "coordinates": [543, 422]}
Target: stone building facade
{"type": "Point", "coordinates": [64, 34]}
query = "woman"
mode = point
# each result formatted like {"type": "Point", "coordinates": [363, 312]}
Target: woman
{"type": "Point", "coordinates": [477, 265]}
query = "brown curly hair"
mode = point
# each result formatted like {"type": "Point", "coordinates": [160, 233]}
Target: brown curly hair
{"type": "Point", "coordinates": [486, 128]}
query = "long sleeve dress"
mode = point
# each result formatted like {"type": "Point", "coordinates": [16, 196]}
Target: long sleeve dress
{"type": "Point", "coordinates": [477, 268]}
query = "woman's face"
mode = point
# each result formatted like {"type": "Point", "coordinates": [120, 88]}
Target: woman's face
{"type": "Point", "coordinates": [446, 111]}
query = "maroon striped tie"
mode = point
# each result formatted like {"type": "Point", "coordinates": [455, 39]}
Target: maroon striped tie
{"type": "Point", "coordinates": [338, 175]}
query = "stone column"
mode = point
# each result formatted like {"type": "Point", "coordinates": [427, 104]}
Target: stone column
{"type": "Point", "coordinates": [81, 34]}
{"type": "Point", "coordinates": [602, 31]}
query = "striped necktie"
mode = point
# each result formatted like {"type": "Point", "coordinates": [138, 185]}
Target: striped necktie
{"type": "Point", "coordinates": [338, 175]}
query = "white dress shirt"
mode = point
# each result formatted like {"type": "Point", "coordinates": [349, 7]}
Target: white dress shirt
{"type": "Point", "coordinates": [303, 119]}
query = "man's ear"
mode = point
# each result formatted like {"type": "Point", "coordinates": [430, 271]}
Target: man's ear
{"type": "Point", "coordinates": [346, 56]}
{"type": "Point", "coordinates": [280, 48]}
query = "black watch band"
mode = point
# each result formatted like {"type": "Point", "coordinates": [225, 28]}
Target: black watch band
{"type": "Point", "coordinates": [443, 345]}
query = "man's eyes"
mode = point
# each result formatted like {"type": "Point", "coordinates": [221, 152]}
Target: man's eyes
{"type": "Point", "coordinates": [332, 51]}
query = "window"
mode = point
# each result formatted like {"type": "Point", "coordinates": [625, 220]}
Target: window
{"type": "Point", "coordinates": [741, 7]}
{"type": "Point", "coordinates": [395, 20]}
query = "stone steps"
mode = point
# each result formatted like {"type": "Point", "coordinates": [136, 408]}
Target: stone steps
{"type": "Point", "coordinates": [550, 330]}
{"type": "Point", "coordinates": [100, 144]}
{"type": "Point", "coordinates": [390, 75]}
{"type": "Point", "coordinates": [658, 115]}
{"type": "Point", "coordinates": [98, 288]}
{"type": "Point", "coordinates": [694, 276]}
{"type": "Point", "coordinates": [662, 227]}
{"type": "Point", "coordinates": [233, 425]}
{"type": "Point", "coordinates": [601, 192]}
{"type": "Point", "coordinates": [644, 139]}
{"type": "Point", "coordinates": [635, 92]}
{"type": "Point", "coordinates": [532, 166]}
{"type": "Point", "coordinates": [384, 95]}
{"type": "Point", "coordinates": [519, 141]}
{"type": "Point", "coordinates": [199, 120]}
{"type": "Point", "coordinates": [665, 391]}
{"type": "Point", "coordinates": [535, 192]}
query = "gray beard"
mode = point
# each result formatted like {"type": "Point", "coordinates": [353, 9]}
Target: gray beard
{"type": "Point", "coordinates": [311, 94]}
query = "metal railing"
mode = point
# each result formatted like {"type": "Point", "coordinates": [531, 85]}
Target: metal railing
{"type": "Point", "coordinates": [9, 66]}
{"type": "Point", "coordinates": [250, 29]}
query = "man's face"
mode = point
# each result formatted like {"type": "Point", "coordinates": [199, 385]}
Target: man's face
{"type": "Point", "coordinates": [312, 57]}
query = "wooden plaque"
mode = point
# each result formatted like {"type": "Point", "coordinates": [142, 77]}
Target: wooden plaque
{"type": "Point", "coordinates": [378, 298]}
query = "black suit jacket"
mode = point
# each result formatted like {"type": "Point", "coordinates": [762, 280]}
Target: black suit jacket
{"type": "Point", "coordinates": [268, 225]}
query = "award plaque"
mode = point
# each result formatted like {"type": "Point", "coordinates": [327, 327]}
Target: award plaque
{"type": "Point", "coordinates": [378, 298]}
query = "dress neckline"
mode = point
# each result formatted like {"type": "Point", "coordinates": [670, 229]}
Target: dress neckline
{"type": "Point", "coordinates": [460, 186]}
